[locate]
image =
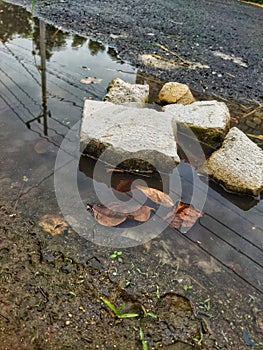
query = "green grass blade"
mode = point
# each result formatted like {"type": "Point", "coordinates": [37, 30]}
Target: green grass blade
{"type": "Point", "coordinates": [110, 305]}
{"type": "Point", "coordinates": [127, 315]}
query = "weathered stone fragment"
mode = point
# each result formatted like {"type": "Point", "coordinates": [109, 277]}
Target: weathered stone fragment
{"type": "Point", "coordinates": [238, 164]}
{"type": "Point", "coordinates": [173, 92]}
{"type": "Point", "coordinates": [121, 92]}
{"type": "Point", "coordinates": [149, 60]}
{"type": "Point", "coordinates": [135, 136]}
{"type": "Point", "coordinates": [209, 120]}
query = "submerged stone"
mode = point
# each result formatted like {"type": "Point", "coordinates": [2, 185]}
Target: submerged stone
{"type": "Point", "coordinates": [121, 92]}
{"type": "Point", "coordinates": [173, 92]}
{"type": "Point", "coordinates": [139, 138]}
{"type": "Point", "coordinates": [209, 120]}
{"type": "Point", "coordinates": [238, 164]}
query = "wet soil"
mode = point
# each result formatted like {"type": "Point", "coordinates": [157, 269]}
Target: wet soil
{"type": "Point", "coordinates": [51, 289]}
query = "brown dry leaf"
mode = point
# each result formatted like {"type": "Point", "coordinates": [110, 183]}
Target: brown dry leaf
{"type": "Point", "coordinates": [234, 120]}
{"type": "Point", "coordinates": [115, 213]}
{"type": "Point", "coordinates": [54, 224]}
{"type": "Point", "coordinates": [106, 216]}
{"type": "Point", "coordinates": [184, 215]}
{"type": "Point", "coordinates": [142, 214]}
{"type": "Point", "coordinates": [123, 208]}
{"type": "Point", "coordinates": [156, 196]}
{"type": "Point", "coordinates": [91, 80]}
{"type": "Point", "coordinates": [124, 186]}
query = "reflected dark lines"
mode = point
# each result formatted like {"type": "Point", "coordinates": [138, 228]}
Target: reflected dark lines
{"type": "Point", "coordinates": [230, 244]}
{"type": "Point", "coordinates": [11, 108]}
{"type": "Point", "coordinates": [238, 234]}
{"type": "Point", "coordinates": [220, 261]}
{"type": "Point", "coordinates": [17, 99]}
{"type": "Point", "coordinates": [22, 64]}
{"type": "Point", "coordinates": [20, 88]}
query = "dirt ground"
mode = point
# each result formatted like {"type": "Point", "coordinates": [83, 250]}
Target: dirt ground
{"type": "Point", "coordinates": [50, 297]}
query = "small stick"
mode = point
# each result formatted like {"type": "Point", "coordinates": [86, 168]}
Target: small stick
{"type": "Point", "coordinates": [18, 196]}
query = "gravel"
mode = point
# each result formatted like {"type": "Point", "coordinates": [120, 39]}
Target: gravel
{"type": "Point", "coordinates": [226, 35]}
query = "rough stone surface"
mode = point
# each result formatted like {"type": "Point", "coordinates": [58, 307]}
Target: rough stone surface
{"type": "Point", "coordinates": [149, 60]}
{"type": "Point", "coordinates": [173, 92]}
{"type": "Point", "coordinates": [120, 92]}
{"type": "Point", "coordinates": [209, 120]}
{"type": "Point", "coordinates": [238, 164]}
{"type": "Point", "coordinates": [118, 133]}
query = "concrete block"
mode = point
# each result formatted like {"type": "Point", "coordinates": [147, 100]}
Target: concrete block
{"type": "Point", "coordinates": [138, 136]}
{"type": "Point", "coordinates": [121, 92]}
{"type": "Point", "coordinates": [238, 164]}
{"type": "Point", "coordinates": [209, 120]}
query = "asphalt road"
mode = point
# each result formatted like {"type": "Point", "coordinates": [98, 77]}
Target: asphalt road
{"type": "Point", "coordinates": [226, 35]}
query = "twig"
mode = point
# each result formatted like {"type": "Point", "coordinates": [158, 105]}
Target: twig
{"type": "Point", "coordinates": [252, 112]}
{"type": "Point", "coordinates": [172, 53]}
{"type": "Point", "coordinates": [7, 319]}
{"type": "Point", "coordinates": [18, 196]}
{"type": "Point", "coordinates": [186, 64]}
{"type": "Point", "coordinates": [259, 137]}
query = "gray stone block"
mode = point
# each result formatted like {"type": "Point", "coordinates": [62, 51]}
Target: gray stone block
{"type": "Point", "coordinates": [238, 164]}
{"type": "Point", "coordinates": [209, 120]}
{"type": "Point", "coordinates": [136, 136]}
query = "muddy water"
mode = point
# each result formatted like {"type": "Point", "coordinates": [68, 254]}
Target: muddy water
{"type": "Point", "coordinates": [41, 98]}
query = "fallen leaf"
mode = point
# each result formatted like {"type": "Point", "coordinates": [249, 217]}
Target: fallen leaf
{"type": "Point", "coordinates": [156, 196]}
{"type": "Point", "coordinates": [234, 120]}
{"type": "Point", "coordinates": [124, 186]}
{"type": "Point", "coordinates": [54, 224]}
{"type": "Point", "coordinates": [116, 213]}
{"type": "Point", "coordinates": [91, 80]}
{"type": "Point", "coordinates": [142, 214]}
{"type": "Point", "coordinates": [106, 216]}
{"type": "Point", "coordinates": [183, 215]}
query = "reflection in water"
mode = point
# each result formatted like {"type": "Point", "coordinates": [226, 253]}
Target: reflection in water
{"type": "Point", "coordinates": [54, 39]}
{"type": "Point", "coordinates": [43, 91]}
{"type": "Point", "coordinates": [14, 20]}
{"type": "Point", "coordinates": [69, 59]}
{"type": "Point", "coordinates": [95, 47]}
{"type": "Point", "coordinates": [42, 46]}
{"type": "Point", "coordinates": [78, 41]}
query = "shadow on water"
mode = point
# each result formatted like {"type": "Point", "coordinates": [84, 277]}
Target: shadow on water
{"type": "Point", "coordinates": [42, 98]}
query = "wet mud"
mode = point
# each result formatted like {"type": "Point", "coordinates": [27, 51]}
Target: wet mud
{"type": "Point", "coordinates": [200, 290]}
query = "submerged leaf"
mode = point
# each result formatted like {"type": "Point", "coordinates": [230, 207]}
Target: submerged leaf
{"type": "Point", "coordinates": [183, 215]}
{"type": "Point", "coordinates": [124, 186]}
{"type": "Point", "coordinates": [91, 80]}
{"type": "Point", "coordinates": [106, 216]}
{"type": "Point", "coordinates": [116, 213]}
{"type": "Point", "coordinates": [156, 196]}
{"type": "Point", "coordinates": [142, 214]}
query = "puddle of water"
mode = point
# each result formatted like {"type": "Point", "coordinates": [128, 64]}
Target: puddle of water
{"type": "Point", "coordinates": [41, 97]}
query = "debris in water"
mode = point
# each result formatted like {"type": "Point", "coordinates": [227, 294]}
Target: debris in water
{"type": "Point", "coordinates": [91, 80]}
